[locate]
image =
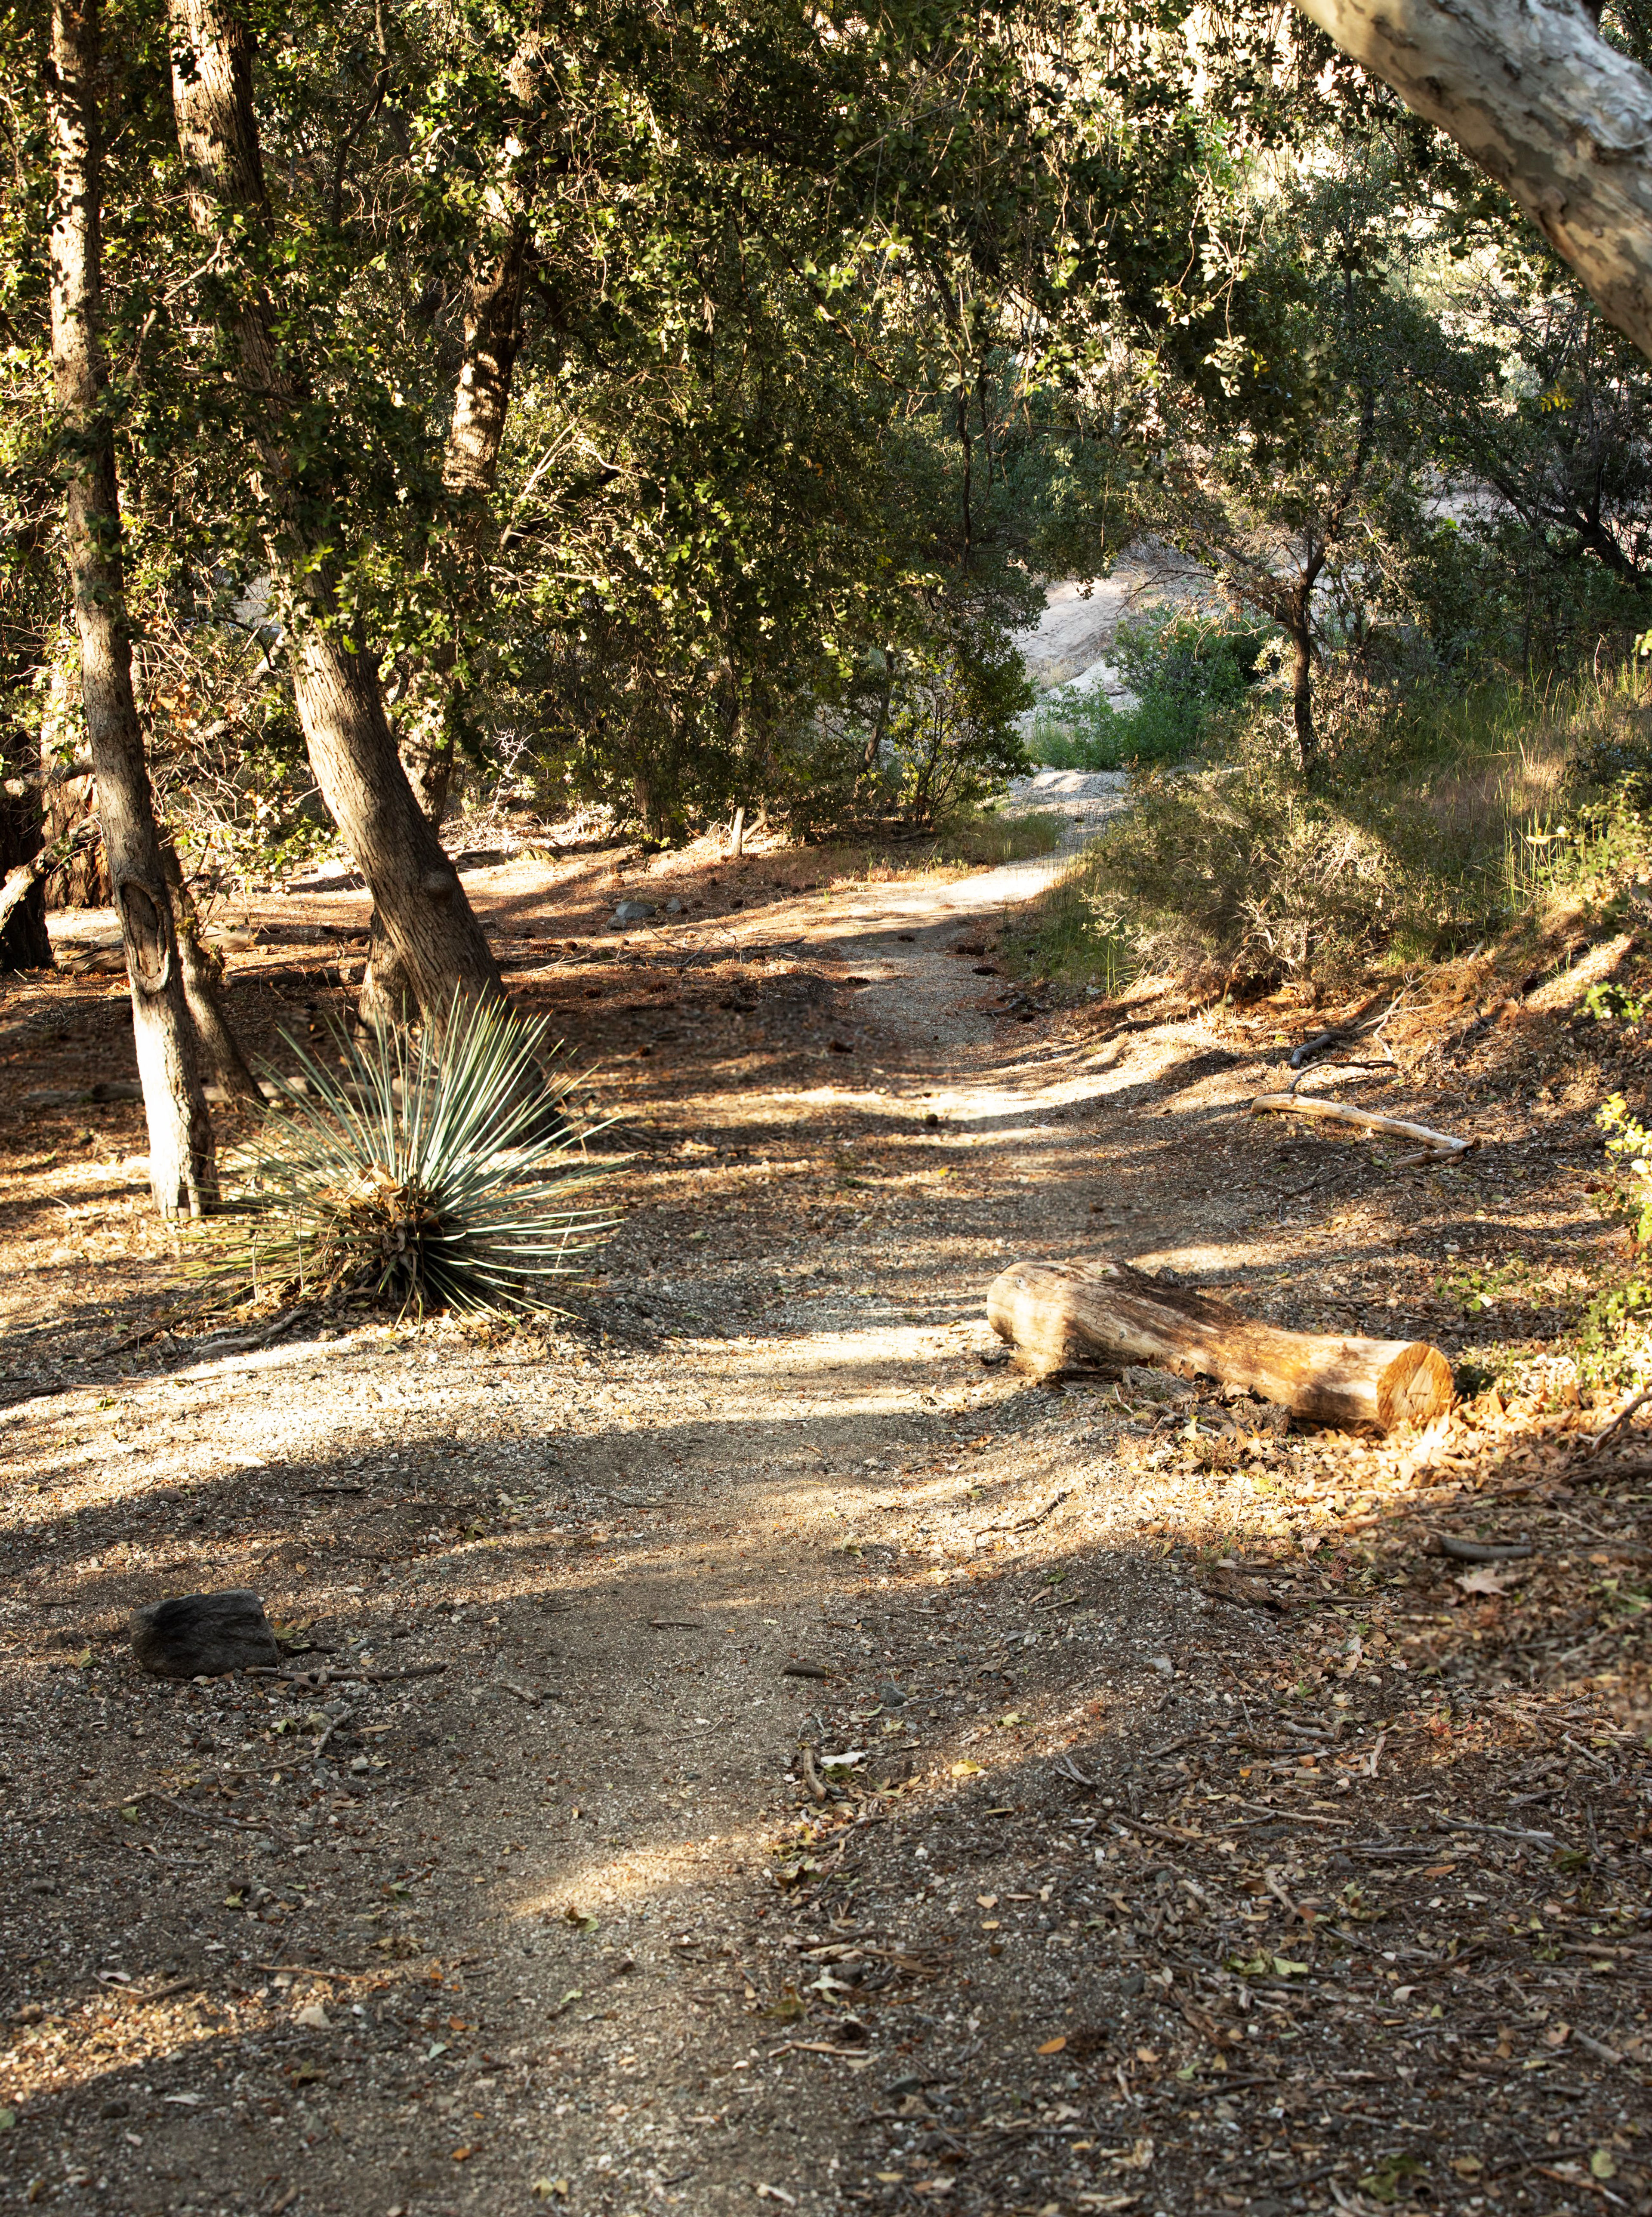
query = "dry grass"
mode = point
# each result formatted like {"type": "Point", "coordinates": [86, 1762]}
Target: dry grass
{"type": "Point", "coordinates": [1444, 824]}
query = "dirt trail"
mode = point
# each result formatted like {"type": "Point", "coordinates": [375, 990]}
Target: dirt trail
{"type": "Point", "coordinates": [570, 1918]}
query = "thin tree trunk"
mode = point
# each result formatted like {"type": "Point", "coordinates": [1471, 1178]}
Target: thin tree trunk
{"type": "Point", "coordinates": [1302, 689]}
{"type": "Point", "coordinates": [470, 471]}
{"type": "Point", "coordinates": [423, 914]}
{"type": "Point", "coordinates": [202, 973]}
{"type": "Point", "coordinates": [181, 1171]}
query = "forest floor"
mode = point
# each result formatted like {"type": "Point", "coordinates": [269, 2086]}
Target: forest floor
{"type": "Point", "coordinates": [1180, 1830]}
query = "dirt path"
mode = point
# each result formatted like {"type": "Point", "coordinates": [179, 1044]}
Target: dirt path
{"type": "Point", "coordinates": [570, 1917]}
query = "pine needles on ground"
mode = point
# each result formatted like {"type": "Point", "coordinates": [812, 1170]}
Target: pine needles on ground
{"type": "Point", "coordinates": [441, 1170]}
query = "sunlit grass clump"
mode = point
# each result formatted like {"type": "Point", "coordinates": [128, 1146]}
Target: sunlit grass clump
{"type": "Point", "coordinates": [436, 1170]}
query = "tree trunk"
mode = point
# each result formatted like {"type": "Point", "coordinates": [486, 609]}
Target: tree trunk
{"type": "Point", "coordinates": [25, 944]}
{"type": "Point", "coordinates": [469, 469]}
{"type": "Point", "coordinates": [422, 907]}
{"type": "Point", "coordinates": [203, 975]}
{"type": "Point", "coordinates": [1301, 690]}
{"type": "Point", "coordinates": [1061, 1312]}
{"type": "Point", "coordinates": [180, 1131]}
{"type": "Point", "coordinates": [68, 799]}
{"type": "Point", "coordinates": [1533, 92]}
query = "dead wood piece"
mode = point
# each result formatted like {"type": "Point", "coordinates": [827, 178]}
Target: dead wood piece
{"type": "Point", "coordinates": [805, 1670]}
{"type": "Point", "coordinates": [161, 1993]}
{"type": "Point", "coordinates": [1233, 1585]}
{"type": "Point", "coordinates": [1476, 1551]}
{"type": "Point", "coordinates": [811, 1776]}
{"type": "Point", "coordinates": [1501, 1831]}
{"type": "Point", "coordinates": [1294, 1104]}
{"type": "Point", "coordinates": [1598, 2049]}
{"type": "Point", "coordinates": [1059, 1312]}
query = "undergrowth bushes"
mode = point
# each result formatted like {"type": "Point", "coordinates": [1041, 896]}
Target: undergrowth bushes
{"type": "Point", "coordinates": [1442, 821]}
{"type": "Point", "coordinates": [1186, 673]}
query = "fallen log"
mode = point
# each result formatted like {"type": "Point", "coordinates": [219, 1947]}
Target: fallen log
{"type": "Point", "coordinates": [1060, 1314]}
{"type": "Point", "coordinates": [1363, 1120]}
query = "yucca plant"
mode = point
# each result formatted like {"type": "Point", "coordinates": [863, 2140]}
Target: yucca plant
{"type": "Point", "coordinates": [441, 1169]}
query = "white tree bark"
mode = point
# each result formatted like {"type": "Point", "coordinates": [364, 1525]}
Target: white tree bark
{"type": "Point", "coordinates": [1534, 93]}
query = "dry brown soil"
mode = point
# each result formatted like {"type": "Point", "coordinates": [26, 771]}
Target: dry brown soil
{"type": "Point", "coordinates": [1177, 1832]}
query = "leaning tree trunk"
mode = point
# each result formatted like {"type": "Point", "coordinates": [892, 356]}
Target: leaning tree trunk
{"type": "Point", "coordinates": [180, 1173]}
{"type": "Point", "coordinates": [1537, 96]}
{"type": "Point", "coordinates": [203, 978]}
{"type": "Point", "coordinates": [423, 913]}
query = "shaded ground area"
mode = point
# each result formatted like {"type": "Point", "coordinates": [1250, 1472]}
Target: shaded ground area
{"type": "Point", "coordinates": [743, 1744]}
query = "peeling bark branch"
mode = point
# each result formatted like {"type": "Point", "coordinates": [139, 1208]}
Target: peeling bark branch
{"type": "Point", "coordinates": [1532, 91]}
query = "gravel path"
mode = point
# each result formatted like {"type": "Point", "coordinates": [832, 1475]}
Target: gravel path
{"type": "Point", "coordinates": [529, 1891]}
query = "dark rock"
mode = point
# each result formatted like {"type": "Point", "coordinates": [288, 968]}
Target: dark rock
{"type": "Point", "coordinates": [202, 1635]}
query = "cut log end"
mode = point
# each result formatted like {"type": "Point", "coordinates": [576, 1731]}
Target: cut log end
{"type": "Point", "coordinates": [1058, 1313]}
{"type": "Point", "coordinates": [1416, 1387]}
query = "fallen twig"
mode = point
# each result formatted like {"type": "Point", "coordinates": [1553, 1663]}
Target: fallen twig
{"type": "Point", "coordinates": [1174, 1833]}
{"type": "Point", "coordinates": [1503, 1831]}
{"type": "Point", "coordinates": [522, 1693]}
{"type": "Point", "coordinates": [201, 1816]}
{"type": "Point", "coordinates": [333, 1723]}
{"type": "Point", "coordinates": [318, 1971]}
{"type": "Point", "coordinates": [1635, 1401]}
{"type": "Point", "coordinates": [1442, 1143]}
{"type": "Point", "coordinates": [161, 1993]}
{"type": "Point", "coordinates": [811, 1776]}
{"type": "Point", "coordinates": [1290, 1816]}
{"type": "Point", "coordinates": [1039, 1515]}
{"type": "Point", "coordinates": [820, 2048]}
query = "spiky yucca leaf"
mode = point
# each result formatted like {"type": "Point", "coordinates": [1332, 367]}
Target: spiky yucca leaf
{"type": "Point", "coordinates": [438, 1172]}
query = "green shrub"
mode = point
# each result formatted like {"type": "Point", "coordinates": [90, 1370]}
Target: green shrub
{"type": "Point", "coordinates": [1187, 672]}
{"type": "Point", "coordinates": [1445, 819]}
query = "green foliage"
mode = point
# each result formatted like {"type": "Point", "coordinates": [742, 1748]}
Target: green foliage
{"type": "Point", "coordinates": [1630, 1142]}
{"type": "Point", "coordinates": [1186, 673]}
{"type": "Point", "coordinates": [429, 1171]}
{"type": "Point", "coordinates": [840, 331]}
{"type": "Point", "coordinates": [1609, 1002]}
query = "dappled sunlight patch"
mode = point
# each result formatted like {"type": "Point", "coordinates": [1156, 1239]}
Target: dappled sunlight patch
{"type": "Point", "coordinates": [642, 1876]}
